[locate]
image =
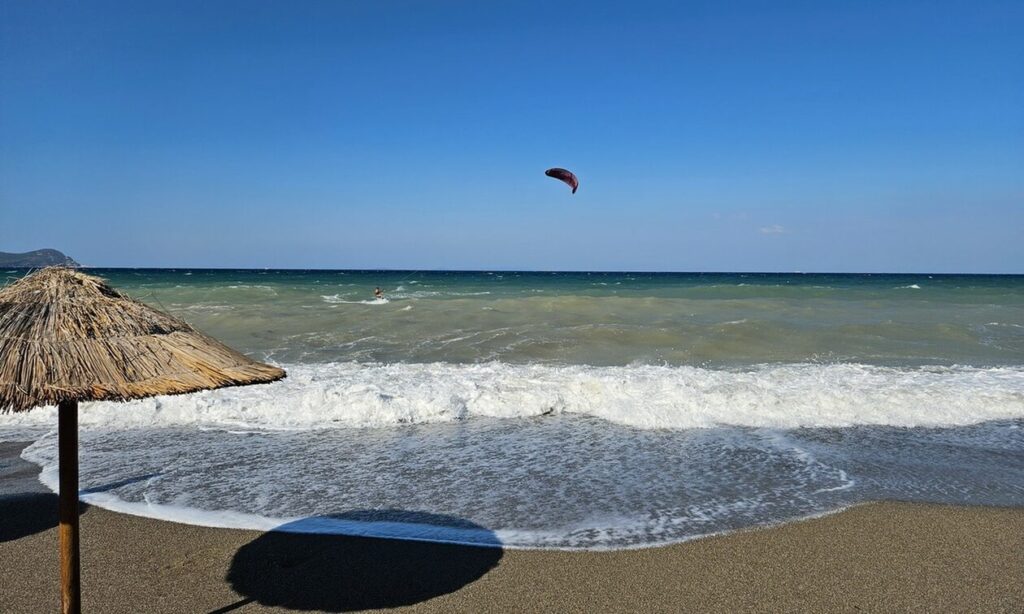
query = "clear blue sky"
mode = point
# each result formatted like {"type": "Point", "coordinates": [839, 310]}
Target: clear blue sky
{"type": "Point", "coordinates": [771, 136]}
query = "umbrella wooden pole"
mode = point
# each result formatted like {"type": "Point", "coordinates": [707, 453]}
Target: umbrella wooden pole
{"type": "Point", "coordinates": [63, 332]}
{"type": "Point", "coordinates": [67, 434]}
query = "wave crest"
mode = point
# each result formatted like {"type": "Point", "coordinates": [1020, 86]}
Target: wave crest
{"type": "Point", "coordinates": [648, 397]}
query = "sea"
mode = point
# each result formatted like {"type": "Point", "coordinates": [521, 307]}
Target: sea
{"type": "Point", "coordinates": [565, 410]}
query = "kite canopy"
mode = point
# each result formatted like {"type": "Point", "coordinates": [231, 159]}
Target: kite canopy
{"type": "Point", "coordinates": [564, 176]}
{"type": "Point", "coordinates": [68, 336]}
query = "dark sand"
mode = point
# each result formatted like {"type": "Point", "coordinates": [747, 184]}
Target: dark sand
{"type": "Point", "coordinates": [880, 557]}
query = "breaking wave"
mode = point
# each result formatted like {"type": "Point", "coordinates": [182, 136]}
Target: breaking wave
{"type": "Point", "coordinates": [642, 396]}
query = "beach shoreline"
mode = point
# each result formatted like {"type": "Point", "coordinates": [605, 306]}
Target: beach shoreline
{"type": "Point", "coordinates": [878, 556]}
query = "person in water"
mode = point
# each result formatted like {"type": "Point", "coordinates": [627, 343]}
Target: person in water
{"type": "Point", "coordinates": [378, 293]}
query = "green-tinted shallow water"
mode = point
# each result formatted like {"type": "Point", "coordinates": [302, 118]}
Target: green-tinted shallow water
{"type": "Point", "coordinates": [597, 318]}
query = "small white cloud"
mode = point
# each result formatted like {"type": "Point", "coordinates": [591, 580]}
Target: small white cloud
{"type": "Point", "coordinates": [774, 229]}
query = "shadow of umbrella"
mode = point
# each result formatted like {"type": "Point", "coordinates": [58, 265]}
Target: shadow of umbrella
{"type": "Point", "coordinates": [25, 514]}
{"type": "Point", "coordinates": [308, 565]}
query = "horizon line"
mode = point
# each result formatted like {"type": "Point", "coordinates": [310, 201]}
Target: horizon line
{"type": "Point", "coordinates": [502, 270]}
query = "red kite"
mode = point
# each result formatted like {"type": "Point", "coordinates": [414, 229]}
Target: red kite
{"type": "Point", "coordinates": [564, 176]}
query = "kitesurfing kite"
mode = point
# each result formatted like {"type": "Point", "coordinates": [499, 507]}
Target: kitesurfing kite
{"type": "Point", "coordinates": [564, 176]}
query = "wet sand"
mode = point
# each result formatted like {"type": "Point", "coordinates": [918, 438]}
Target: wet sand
{"type": "Point", "coordinates": [879, 557]}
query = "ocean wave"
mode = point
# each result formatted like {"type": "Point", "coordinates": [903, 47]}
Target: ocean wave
{"type": "Point", "coordinates": [346, 395]}
{"type": "Point", "coordinates": [203, 308]}
{"type": "Point", "coordinates": [336, 299]}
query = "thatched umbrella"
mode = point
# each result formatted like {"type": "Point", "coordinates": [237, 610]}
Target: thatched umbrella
{"type": "Point", "coordinates": [67, 337]}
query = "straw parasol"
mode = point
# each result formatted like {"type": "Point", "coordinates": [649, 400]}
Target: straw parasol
{"type": "Point", "coordinates": [67, 337]}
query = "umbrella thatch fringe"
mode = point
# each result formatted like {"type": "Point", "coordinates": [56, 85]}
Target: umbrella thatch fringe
{"type": "Point", "coordinates": [65, 335]}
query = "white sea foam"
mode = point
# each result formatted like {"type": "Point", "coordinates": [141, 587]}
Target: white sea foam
{"type": "Point", "coordinates": [549, 470]}
{"type": "Point", "coordinates": [648, 397]}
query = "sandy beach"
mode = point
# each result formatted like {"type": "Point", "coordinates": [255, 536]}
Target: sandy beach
{"type": "Point", "coordinates": [883, 556]}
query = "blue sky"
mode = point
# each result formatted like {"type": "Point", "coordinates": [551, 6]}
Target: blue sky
{"type": "Point", "coordinates": [715, 136]}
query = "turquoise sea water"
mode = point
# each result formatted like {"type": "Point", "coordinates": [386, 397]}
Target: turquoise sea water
{"type": "Point", "coordinates": [580, 410]}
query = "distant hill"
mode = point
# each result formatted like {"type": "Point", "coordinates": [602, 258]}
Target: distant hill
{"type": "Point", "coordinates": [38, 258]}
